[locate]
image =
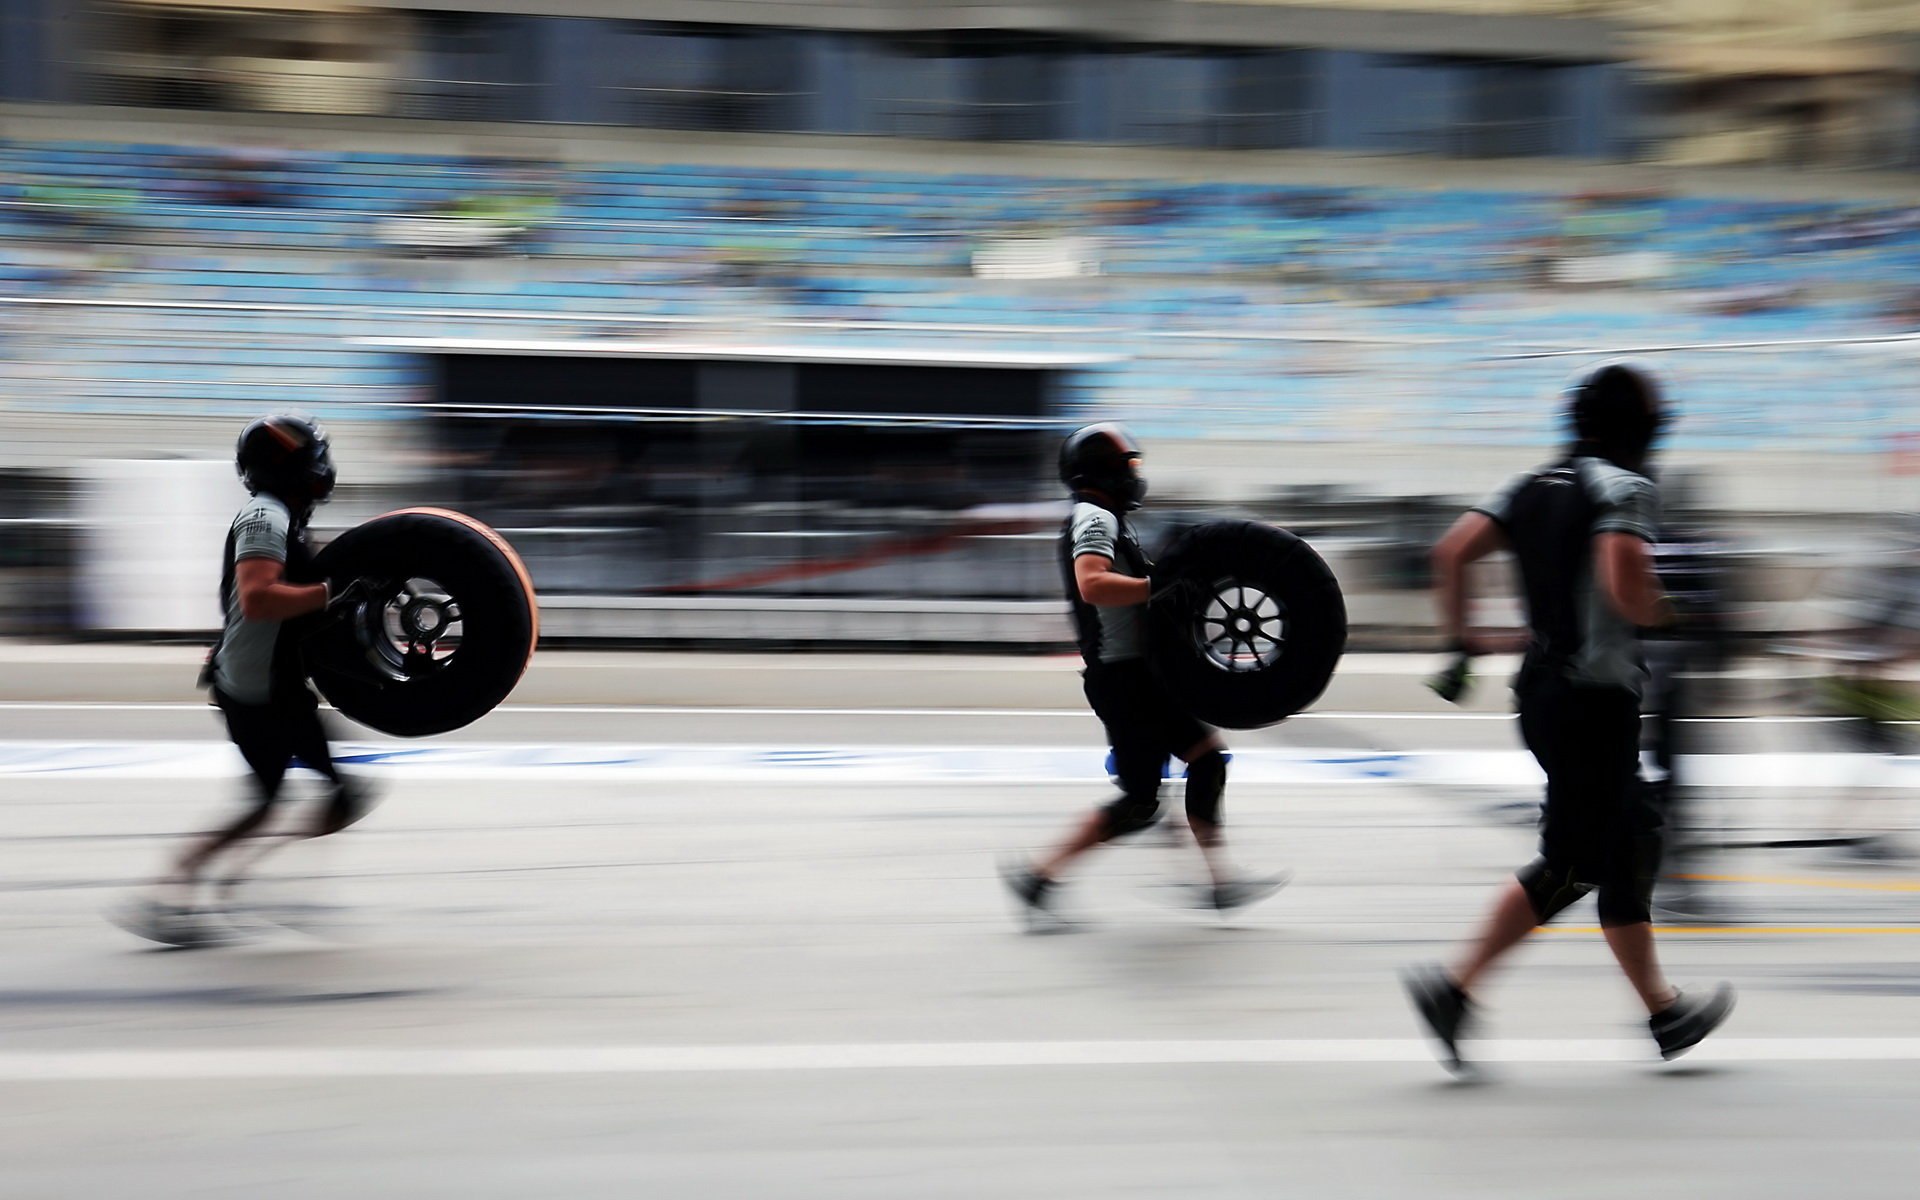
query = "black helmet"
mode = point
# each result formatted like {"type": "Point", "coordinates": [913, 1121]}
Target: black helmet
{"type": "Point", "coordinates": [1104, 458]}
{"type": "Point", "coordinates": [286, 456]}
{"type": "Point", "coordinates": [1616, 413]}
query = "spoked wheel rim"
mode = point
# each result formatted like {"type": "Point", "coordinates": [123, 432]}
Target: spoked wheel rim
{"type": "Point", "coordinates": [414, 630]}
{"type": "Point", "coordinates": [1241, 627]}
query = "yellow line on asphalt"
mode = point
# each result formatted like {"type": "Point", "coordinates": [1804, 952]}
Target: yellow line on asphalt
{"type": "Point", "coordinates": [1855, 885]}
{"type": "Point", "coordinates": [1671, 929]}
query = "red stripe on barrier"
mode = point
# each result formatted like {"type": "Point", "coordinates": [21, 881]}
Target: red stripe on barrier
{"type": "Point", "coordinates": [914, 547]}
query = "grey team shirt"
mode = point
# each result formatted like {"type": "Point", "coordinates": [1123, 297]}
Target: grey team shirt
{"type": "Point", "coordinates": [243, 667]}
{"type": "Point", "coordinates": [1097, 531]}
{"type": "Point", "coordinates": [1624, 502]}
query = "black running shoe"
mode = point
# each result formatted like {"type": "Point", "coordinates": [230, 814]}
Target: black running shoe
{"type": "Point", "coordinates": [1445, 1009]}
{"type": "Point", "coordinates": [1238, 893]}
{"type": "Point", "coordinates": [1683, 1024]}
{"type": "Point", "coordinates": [352, 799]}
{"type": "Point", "coordinates": [175, 925]}
{"type": "Point", "coordinates": [1035, 894]}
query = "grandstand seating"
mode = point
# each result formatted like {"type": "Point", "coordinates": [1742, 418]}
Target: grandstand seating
{"type": "Point", "coordinates": [1215, 293]}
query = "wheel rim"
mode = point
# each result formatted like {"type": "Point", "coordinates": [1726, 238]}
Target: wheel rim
{"type": "Point", "coordinates": [1241, 628]}
{"type": "Point", "coordinates": [416, 630]}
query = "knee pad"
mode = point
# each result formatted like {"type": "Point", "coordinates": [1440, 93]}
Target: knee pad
{"type": "Point", "coordinates": [1131, 812]}
{"type": "Point", "coordinates": [1206, 780]}
{"type": "Point", "coordinates": [1549, 888]}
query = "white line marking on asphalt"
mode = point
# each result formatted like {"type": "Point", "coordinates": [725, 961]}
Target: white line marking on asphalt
{"type": "Point", "coordinates": [671, 710]}
{"type": "Point", "coordinates": [882, 763]}
{"type": "Point", "coordinates": [416, 1062]}
{"type": "Point", "coordinates": [691, 710]}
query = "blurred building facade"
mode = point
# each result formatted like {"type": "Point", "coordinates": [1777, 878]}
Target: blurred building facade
{"type": "Point", "coordinates": [1175, 73]}
{"type": "Point", "coordinates": [1782, 82]}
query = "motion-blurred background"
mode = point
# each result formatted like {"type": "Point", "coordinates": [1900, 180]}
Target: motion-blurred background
{"type": "Point", "coordinates": [766, 332]}
{"type": "Point", "coordinates": [755, 327]}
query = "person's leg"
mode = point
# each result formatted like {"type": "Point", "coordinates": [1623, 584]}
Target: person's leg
{"type": "Point", "coordinates": [1626, 921]}
{"type": "Point", "coordinates": [1164, 730]}
{"type": "Point", "coordinates": [1632, 842]}
{"type": "Point", "coordinates": [1206, 758]}
{"type": "Point", "coordinates": [1089, 831]}
{"type": "Point", "coordinates": [1626, 905]}
{"type": "Point", "coordinates": [1206, 783]}
{"type": "Point", "coordinates": [181, 883]}
{"type": "Point", "coordinates": [262, 742]}
{"type": "Point", "coordinates": [1631, 836]}
{"type": "Point", "coordinates": [1632, 947]}
{"type": "Point", "coordinates": [350, 799]}
{"type": "Point", "coordinates": [1115, 693]}
{"type": "Point", "coordinates": [1677, 1022]}
{"type": "Point", "coordinates": [1512, 919]}
{"type": "Point", "coordinates": [1442, 997]}
{"type": "Point", "coordinates": [306, 735]}
{"type": "Point", "coordinates": [1138, 769]}
{"type": "Point", "coordinates": [1545, 886]}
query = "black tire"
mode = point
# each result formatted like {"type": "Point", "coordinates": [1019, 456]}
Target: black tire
{"type": "Point", "coordinates": [446, 628]}
{"type": "Point", "coordinates": [1246, 625]}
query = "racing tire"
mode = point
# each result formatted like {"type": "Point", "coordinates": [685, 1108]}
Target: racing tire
{"type": "Point", "coordinates": [439, 630]}
{"type": "Point", "coordinates": [1246, 624]}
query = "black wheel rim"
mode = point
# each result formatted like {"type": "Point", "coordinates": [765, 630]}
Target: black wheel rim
{"type": "Point", "coordinates": [1240, 628]}
{"type": "Point", "coordinates": [416, 629]}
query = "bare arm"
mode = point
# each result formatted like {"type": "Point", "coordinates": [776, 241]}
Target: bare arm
{"type": "Point", "coordinates": [1624, 568]}
{"type": "Point", "coordinates": [1472, 538]}
{"type": "Point", "coordinates": [1102, 586]}
{"type": "Point", "coordinates": [265, 595]}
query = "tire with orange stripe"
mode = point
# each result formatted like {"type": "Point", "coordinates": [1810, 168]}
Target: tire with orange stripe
{"type": "Point", "coordinates": [440, 630]}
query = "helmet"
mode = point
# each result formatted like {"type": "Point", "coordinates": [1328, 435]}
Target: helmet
{"type": "Point", "coordinates": [1104, 458]}
{"type": "Point", "coordinates": [1616, 413]}
{"type": "Point", "coordinates": [286, 456]}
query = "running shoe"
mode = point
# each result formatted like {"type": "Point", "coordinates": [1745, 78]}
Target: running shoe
{"type": "Point", "coordinates": [1445, 1009]}
{"type": "Point", "coordinates": [352, 799]}
{"type": "Point", "coordinates": [1238, 893]}
{"type": "Point", "coordinates": [1683, 1024]}
{"type": "Point", "coordinates": [173, 925]}
{"type": "Point", "coordinates": [1035, 892]}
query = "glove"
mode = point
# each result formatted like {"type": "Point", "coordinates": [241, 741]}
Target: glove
{"type": "Point", "coordinates": [1453, 681]}
{"type": "Point", "coordinates": [344, 597]}
{"type": "Point", "coordinates": [1165, 587]}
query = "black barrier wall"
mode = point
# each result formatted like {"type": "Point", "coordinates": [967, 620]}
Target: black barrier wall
{"type": "Point", "coordinates": [643, 476]}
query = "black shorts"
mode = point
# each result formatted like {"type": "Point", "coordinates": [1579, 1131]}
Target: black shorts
{"type": "Point", "coordinates": [1599, 817]}
{"type": "Point", "coordinates": [274, 736]}
{"type": "Point", "coordinates": [1144, 726]}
